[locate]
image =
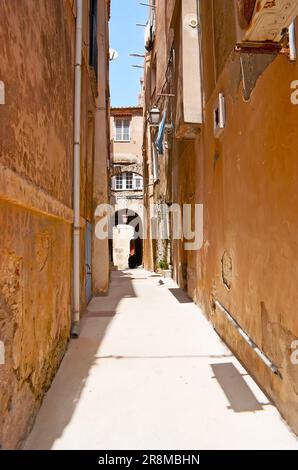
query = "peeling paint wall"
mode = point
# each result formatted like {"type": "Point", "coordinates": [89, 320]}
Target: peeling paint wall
{"type": "Point", "coordinates": [36, 161]}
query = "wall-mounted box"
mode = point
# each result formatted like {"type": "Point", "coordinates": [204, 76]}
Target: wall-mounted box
{"type": "Point", "coordinates": [188, 76]}
{"type": "Point", "coordinates": [263, 21]}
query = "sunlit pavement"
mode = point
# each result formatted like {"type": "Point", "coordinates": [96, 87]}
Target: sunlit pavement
{"type": "Point", "coordinates": [149, 372]}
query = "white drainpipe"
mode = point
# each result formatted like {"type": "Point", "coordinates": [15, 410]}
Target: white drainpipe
{"type": "Point", "coordinates": [76, 170]}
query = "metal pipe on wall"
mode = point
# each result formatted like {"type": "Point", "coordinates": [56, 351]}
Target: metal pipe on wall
{"type": "Point", "coordinates": [76, 170]}
{"type": "Point", "coordinates": [248, 340]}
{"type": "Point", "coordinates": [292, 42]}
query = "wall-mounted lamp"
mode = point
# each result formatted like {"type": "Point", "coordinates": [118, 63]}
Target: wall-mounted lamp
{"type": "Point", "coordinates": [154, 116]}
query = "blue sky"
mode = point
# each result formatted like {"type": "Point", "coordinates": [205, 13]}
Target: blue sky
{"type": "Point", "coordinates": [126, 38]}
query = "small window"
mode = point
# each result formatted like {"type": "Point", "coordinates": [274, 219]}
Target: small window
{"type": "Point", "coordinates": [119, 182]}
{"type": "Point", "coordinates": [129, 184]}
{"type": "Point", "coordinates": [138, 183]}
{"type": "Point", "coordinates": [122, 130]}
{"type": "Point", "coordinates": [219, 114]}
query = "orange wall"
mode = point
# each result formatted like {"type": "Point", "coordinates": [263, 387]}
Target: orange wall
{"type": "Point", "coordinates": [36, 192]}
{"type": "Point", "coordinates": [246, 180]}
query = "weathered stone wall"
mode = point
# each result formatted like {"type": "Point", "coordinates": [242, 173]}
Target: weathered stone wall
{"type": "Point", "coordinates": [36, 68]}
{"type": "Point", "coordinates": [35, 257]}
{"type": "Point", "coordinates": [36, 163]}
{"type": "Point", "coordinates": [35, 210]}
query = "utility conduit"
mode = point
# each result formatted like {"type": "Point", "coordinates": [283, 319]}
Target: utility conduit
{"type": "Point", "coordinates": [248, 340]}
{"type": "Point", "coordinates": [77, 170]}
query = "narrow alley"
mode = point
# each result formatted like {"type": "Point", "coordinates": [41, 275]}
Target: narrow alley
{"type": "Point", "coordinates": [148, 371]}
{"type": "Point", "coordinates": [148, 218]}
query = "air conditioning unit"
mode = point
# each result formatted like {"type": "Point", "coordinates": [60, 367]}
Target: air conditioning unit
{"type": "Point", "coordinates": [263, 21]}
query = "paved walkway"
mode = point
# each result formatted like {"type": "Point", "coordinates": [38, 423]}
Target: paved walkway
{"type": "Point", "coordinates": [149, 372]}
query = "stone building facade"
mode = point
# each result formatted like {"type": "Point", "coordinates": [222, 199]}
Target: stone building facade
{"type": "Point", "coordinates": [36, 191]}
{"type": "Point", "coordinates": [127, 183]}
{"type": "Point", "coordinates": [224, 77]}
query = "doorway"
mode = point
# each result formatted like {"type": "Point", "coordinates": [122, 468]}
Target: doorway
{"type": "Point", "coordinates": [127, 240]}
{"type": "Point", "coordinates": [88, 262]}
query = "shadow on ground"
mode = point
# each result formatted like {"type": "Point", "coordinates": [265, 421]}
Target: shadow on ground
{"type": "Point", "coordinates": [75, 367]}
{"type": "Point", "coordinates": [181, 296]}
{"type": "Point", "coordinates": [240, 396]}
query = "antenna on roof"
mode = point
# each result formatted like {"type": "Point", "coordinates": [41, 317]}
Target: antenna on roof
{"type": "Point", "coordinates": [147, 5]}
{"type": "Point", "coordinates": [137, 55]}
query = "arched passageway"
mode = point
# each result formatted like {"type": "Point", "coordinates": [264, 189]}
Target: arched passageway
{"type": "Point", "coordinates": [127, 239]}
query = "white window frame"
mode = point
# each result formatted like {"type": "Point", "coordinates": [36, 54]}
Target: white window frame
{"type": "Point", "coordinates": [117, 179]}
{"type": "Point", "coordinates": [129, 179]}
{"type": "Point", "coordinates": [138, 178]}
{"type": "Point", "coordinates": [135, 177]}
{"type": "Point", "coordinates": [219, 115]}
{"type": "Point", "coordinates": [128, 120]}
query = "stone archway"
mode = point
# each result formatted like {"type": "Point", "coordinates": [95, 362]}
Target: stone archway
{"type": "Point", "coordinates": [127, 239]}
{"type": "Point", "coordinates": [133, 168]}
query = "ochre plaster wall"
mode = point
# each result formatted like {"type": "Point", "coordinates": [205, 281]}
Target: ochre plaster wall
{"type": "Point", "coordinates": [36, 163]}
{"type": "Point", "coordinates": [246, 179]}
